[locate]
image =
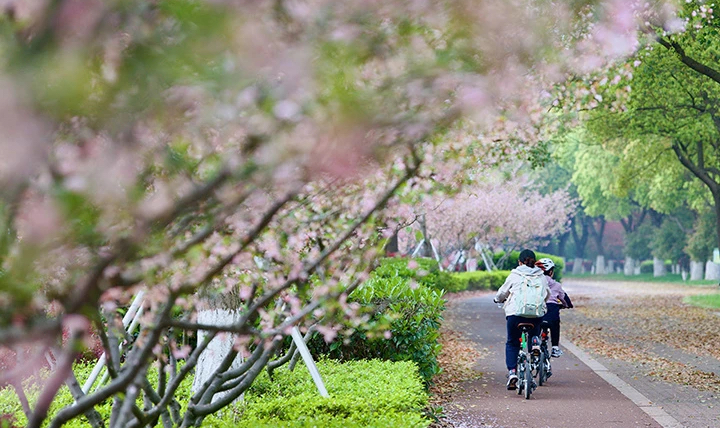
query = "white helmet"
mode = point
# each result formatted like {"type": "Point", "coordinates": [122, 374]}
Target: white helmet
{"type": "Point", "coordinates": [545, 264]}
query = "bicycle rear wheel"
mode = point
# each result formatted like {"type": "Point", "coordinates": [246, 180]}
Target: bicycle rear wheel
{"type": "Point", "coordinates": [528, 382]}
{"type": "Point", "coordinates": [543, 370]}
{"type": "Point", "coordinates": [520, 375]}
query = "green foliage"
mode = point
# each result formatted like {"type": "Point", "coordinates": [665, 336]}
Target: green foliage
{"type": "Point", "coordinates": [637, 242]}
{"type": "Point", "coordinates": [426, 273]}
{"type": "Point", "coordinates": [9, 404]}
{"type": "Point", "coordinates": [702, 241]}
{"type": "Point", "coordinates": [511, 262]}
{"type": "Point", "coordinates": [658, 119]}
{"type": "Point", "coordinates": [669, 241]}
{"type": "Point", "coordinates": [362, 394]}
{"type": "Point", "coordinates": [646, 266]}
{"type": "Point", "coordinates": [481, 280]}
{"type": "Point", "coordinates": [411, 314]}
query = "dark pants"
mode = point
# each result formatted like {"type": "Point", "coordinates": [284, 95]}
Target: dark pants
{"type": "Point", "coordinates": [552, 316]}
{"type": "Point", "coordinates": [512, 346]}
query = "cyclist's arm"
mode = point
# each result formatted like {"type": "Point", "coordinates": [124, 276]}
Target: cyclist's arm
{"type": "Point", "coordinates": [548, 293]}
{"type": "Point", "coordinates": [504, 291]}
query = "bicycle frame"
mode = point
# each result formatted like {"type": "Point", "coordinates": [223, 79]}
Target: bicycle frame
{"type": "Point", "coordinates": [544, 370]}
{"type": "Point", "coordinates": [527, 363]}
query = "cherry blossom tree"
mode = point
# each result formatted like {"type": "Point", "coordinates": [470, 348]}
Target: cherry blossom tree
{"type": "Point", "coordinates": [497, 214]}
{"type": "Point", "coordinates": [252, 156]}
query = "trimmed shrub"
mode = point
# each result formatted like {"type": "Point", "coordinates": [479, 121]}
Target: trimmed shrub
{"type": "Point", "coordinates": [427, 272]}
{"type": "Point", "coordinates": [368, 393]}
{"type": "Point", "coordinates": [411, 314]}
{"type": "Point", "coordinates": [362, 394]}
{"type": "Point", "coordinates": [647, 266]}
{"type": "Point", "coordinates": [10, 405]}
{"type": "Point", "coordinates": [512, 261]}
{"type": "Point", "coordinates": [481, 280]}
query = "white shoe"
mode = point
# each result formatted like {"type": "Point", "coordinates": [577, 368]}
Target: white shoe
{"type": "Point", "coordinates": [512, 380]}
{"type": "Point", "coordinates": [556, 352]}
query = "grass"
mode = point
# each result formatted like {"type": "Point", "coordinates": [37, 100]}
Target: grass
{"type": "Point", "coordinates": [643, 277]}
{"type": "Point", "coordinates": [711, 301]}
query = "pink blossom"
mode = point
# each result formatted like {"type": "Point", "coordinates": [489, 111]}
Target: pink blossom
{"type": "Point", "coordinates": [329, 333]}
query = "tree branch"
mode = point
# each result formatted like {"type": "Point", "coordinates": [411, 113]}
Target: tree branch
{"type": "Point", "coordinates": [701, 68]}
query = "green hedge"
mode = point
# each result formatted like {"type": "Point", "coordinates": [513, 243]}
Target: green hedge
{"type": "Point", "coordinates": [512, 261]}
{"type": "Point", "coordinates": [647, 266]}
{"type": "Point", "coordinates": [9, 404]}
{"type": "Point", "coordinates": [426, 273]}
{"type": "Point", "coordinates": [481, 280]}
{"type": "Point", "coordinates": [363, 393]}
{"type": "Point", "coordinates": [411, 315]}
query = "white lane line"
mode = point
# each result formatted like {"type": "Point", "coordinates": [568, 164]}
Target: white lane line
{"type": "Point", "coordinates": [655, 412]}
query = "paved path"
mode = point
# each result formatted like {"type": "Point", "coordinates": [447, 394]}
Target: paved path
{"type": "Point", "coordinates": [575, 395]}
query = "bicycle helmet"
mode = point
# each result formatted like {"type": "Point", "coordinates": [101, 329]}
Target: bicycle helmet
{"type": "Point", "coordinates": [545, 264]}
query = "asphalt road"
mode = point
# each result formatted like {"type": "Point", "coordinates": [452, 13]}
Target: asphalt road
{"type": "Point", "coordinates": [575, 396]}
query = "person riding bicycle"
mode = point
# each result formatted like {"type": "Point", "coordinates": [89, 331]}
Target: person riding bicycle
{"type": "Point", "coordinates": [508, 293]}
{"type": "Point", "coordinates": [554, 303]}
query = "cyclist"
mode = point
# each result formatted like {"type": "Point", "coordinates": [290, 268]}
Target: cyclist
{"type": "Point", "coordinates": [554, 303]}
{"type": "Point", "coordinates": [507, 293]}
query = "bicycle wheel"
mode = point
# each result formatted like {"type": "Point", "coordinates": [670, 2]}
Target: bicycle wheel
{"type": "Point", "coordinates": [520, 374]}
{"type": "Point", "coordinates": [543, 370]}
{"type": "Point", "coordinates": [528, 382]}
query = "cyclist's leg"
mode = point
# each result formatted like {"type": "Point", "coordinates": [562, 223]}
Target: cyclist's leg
{"type": "Point", "coordinates": [555, 333]}
{"type": "Point", "coordinates": [512, 346]}
{"type": "Point", "coordinates": [535, 333]}
{"type": "Point", "coordinates": [553, 317]}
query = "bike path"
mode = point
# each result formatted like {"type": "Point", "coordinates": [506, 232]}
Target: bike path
{"type": "Point", "coordinates": [575, 396]}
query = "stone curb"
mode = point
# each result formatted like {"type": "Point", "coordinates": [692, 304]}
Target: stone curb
{"type": "Point", "coordinates": [655, 412]}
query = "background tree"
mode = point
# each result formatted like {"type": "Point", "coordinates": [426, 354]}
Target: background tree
{"type": "Point", "coordinates": [662, 101]}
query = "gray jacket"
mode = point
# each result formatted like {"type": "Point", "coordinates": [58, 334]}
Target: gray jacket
{"type": "Point", "coordinates": [507, 292]}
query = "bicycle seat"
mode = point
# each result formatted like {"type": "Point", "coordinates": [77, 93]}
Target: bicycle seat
{"type": "Point", "coordinates": [526, 325]}
{"type": "Point", "coordinates": [544, 324]}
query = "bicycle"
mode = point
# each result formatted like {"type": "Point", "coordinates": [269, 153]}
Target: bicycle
{"type": "Point", "coordinates": [527, 362]}
{"type": "Point", "coordinates": [544, 368]}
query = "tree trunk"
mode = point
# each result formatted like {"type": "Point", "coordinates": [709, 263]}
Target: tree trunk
{"type": "Point", "coordinates": [579, 237]}
{"type": "Point", "coordinates": [658, 267]}
{"type": "Point", "coordinates": [712, 271]}
{"type": "Point", "coordinates": [562, 242]}
{"type": "Point", "coordinates": [600, 265]}
{"type": "Point", "coordinates": [218, 348]}
{"type": "Point", "coordinates": [598, 235]}
{"type": "Point", "coordinates": [697, 270]}
{"type": "Point", "coordinates": [578, 266]}
{"type": "Point", "coordinates": [716, 197]}
{"type": "Point", "coordinates": [392, 247]}
{"type": "Point", "coordinates": [629, 268]}
{"type": "Point", "coordinates": [425, 250]}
